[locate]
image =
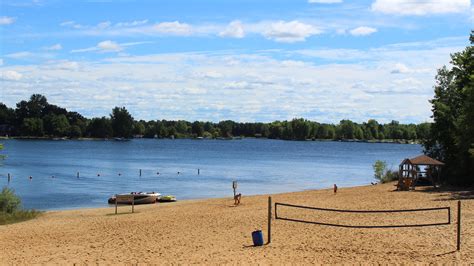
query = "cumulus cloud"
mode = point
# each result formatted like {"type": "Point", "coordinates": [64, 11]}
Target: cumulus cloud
{"type": "Point", "coordinates": [324, 1]}
{"type": "Point", "coordinates": [363, 31]}
{"type": "Point", "coordinates": [109, 46]}
{"type": "Point", "coordinates": [232, 85]}
{"type": "Point", "coordinates": [420, 7]}
{"type": "Point", "coordinates": [400, 69]}
{"type": "Point", "coordinates": [289, 32]}
{"type": "Point", "coordinates": [233, 30]}
{"type": "Point", "coordinates": [173, 28]}
{"type": "Point", "coordinates": [11, 75]}
{"type": "Point", "coordinates": [54, 47]}
{"type": "Point", "coordinates": [6, 20]}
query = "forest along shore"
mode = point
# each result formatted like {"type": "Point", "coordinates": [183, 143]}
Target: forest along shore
{"type": "Point", "coordinates": [215, 231]}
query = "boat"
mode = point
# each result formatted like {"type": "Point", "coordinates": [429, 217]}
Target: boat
{"type": "Point", "coordinates": [138, 198]}
{"type": "Point", "coordinates": [121, 139]}
{"type": "Point", "coordinates": [167, 198]}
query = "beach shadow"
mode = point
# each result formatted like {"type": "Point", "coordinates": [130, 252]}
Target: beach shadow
{"type": "Point", "coordinates": [448, 193]}
{"type": "Point", "coordinates": [447, 253]}
{"type": "Point", "coordinates": [252, 246]}
{"type": "Point", "coordinates": [120, 213]}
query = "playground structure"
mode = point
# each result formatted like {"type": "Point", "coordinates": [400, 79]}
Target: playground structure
{"type": "Point", "coordinates": [411, 170]}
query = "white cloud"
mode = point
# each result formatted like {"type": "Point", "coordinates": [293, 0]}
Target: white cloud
{"type": "Point", "coordinates": [420, 7]}
{"type": "Point", "coordinates": [11, 75]}
{"type": "Point", "coordinates": [324, 1]}
{"type": "Point", "coordinates": [104, 47]}
{"type": "Point", "coordinates": [104, 25]}
{"type": "Point", "coordinates": [6, 20]}
{"type": "Point", "coordinates": [109, 46]}
{"type": "Point", "coordinates": [54, 47]}
{"type": "Point", "coordinates": [173, 28]}
{"type": "Point", "coordinates": [131, 23]}
{"type": "Point", "coordinates": [19, 55]}
{"type": "Point", "coordinates": [400, 69]}
{"type": "Point", "coordinates": [233, 30]}
{"type": "Point", "coordinates": [256, 86]}
{"type": "Point", "coordinates": [293, 31]}
{"type": "Point", "coordinates": [67, 23]}
{"type": "Point", "coordinates": [1, 61]}
{"type": "Point", "coordinates": [363, 31]}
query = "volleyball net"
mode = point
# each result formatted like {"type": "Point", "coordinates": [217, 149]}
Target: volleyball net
{"type": "Point", "coordinates": [363, 218]}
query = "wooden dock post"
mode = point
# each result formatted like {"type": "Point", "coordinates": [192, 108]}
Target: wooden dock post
{"type": "Point", "coordinates": [269, 220]}
{"type": "Point", "coordinates": [459, 227]}
{"type": "Point", "coordinates": [133, 204]}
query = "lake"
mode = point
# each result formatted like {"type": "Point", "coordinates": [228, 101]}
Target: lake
{"type": "Point", "coordinates": [259, 165]}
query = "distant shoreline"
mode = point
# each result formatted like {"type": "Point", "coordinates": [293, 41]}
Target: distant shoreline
{"type": "Point", "coordinates": [391, 141]}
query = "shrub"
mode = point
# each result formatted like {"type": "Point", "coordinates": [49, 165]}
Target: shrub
{"type": "Point", "coordinates": [379, 169]}
{"type": "Point", "coordinates": [383, 174]}
{"type": "Point", "coordinates": [9, 202]}
{"type": "Point", "coordinates": [10, 211]}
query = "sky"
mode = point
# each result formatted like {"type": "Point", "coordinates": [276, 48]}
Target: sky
{"type": "Point", "coordinates": [248, 61]}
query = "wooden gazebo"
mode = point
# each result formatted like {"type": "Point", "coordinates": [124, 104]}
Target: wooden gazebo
{"type": "Point", "coordinates": [410, 170]}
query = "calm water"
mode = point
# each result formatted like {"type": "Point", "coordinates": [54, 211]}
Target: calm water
{"type": "Point", "coordinates": [260, 166]}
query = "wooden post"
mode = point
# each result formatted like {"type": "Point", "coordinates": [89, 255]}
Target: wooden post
{"type": "Point", "coordinates": [459, 227]}
{"type": "Point", "coordinates": [269, 220]}
{"type": "Point", "coordinates": [116, 204]}
{"type": "Point", "coordinates": [234, 186]}
{"type": "Point", "coordinates": [133, 204]}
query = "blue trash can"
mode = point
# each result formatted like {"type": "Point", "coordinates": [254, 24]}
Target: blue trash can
{"type": "Point", "coordinates": [257, 237]}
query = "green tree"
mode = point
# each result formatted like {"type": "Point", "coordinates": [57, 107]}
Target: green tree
{"type": "Point", "coordinates": [122, 122]}
{"type": "Point", "coordinates": [139, 128]}
{"type": "Point", "coordinates": [198, 128]}
{"type": "Point", "coordinates": [452, 134]}
{"type": "Point", "coordinates": [32, 127]}
{"type": "Point", "coordinates": [100, 128]}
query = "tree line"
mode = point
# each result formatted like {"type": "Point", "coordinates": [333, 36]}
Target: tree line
{"type": "Point", "coordinates": [38, 118]}
{"type": "Point", "coordinates": [451, 137]}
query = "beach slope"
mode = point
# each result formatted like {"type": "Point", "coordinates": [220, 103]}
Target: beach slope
{"type": "Point", "coordinates": [213, 231]}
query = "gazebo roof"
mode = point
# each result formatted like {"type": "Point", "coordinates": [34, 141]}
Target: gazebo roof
{"type": "Point", "coordinates": [422, 160]}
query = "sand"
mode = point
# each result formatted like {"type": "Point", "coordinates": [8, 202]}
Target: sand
{"type": "Point", "coordinates": [213, 231]}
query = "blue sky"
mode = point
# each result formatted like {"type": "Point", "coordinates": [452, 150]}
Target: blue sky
{"type": "Point", "coordinates": [324, 60]}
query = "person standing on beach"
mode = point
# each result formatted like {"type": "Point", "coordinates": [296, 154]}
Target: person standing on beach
{"type": "Point", "coordinates": [335, 188]}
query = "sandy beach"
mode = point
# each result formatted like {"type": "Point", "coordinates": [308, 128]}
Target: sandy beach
{"type": "Point", "coordinates": [213, 231]}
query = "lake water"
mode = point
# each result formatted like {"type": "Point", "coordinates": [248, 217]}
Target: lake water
{"type": "Point", "coordinates": [260, 166]}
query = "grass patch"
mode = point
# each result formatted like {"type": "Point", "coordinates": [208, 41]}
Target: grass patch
{"type": "Point", "coordinates": [18, 216]}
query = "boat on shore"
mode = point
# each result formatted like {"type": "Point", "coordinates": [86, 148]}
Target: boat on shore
{"type": "Point", "coordinates": [167, 198]}
{"type": "Point", "coordinates": [138, 198]}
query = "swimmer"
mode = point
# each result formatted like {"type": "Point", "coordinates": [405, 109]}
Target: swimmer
{"type": "Point", "coordinates": [30, 177]}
